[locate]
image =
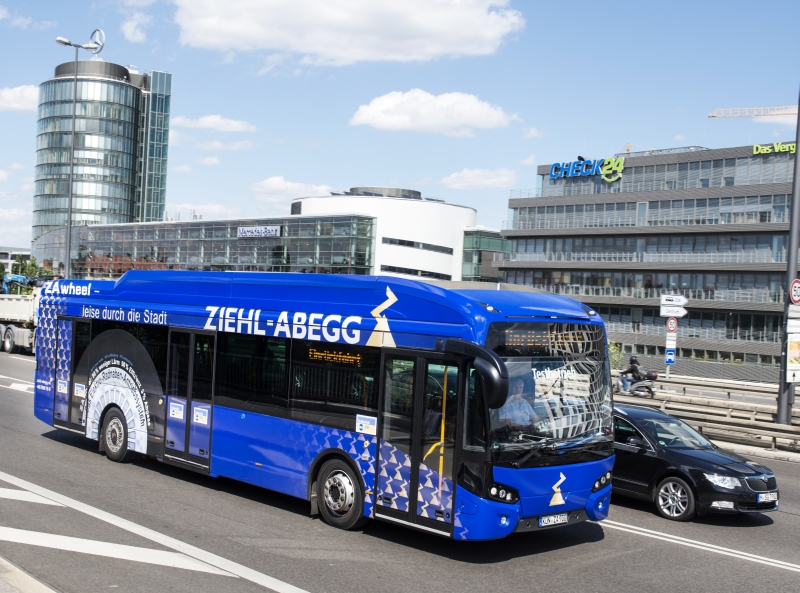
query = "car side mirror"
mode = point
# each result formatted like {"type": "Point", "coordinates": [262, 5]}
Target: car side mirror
{"type": "Point", "coordinates": [635, 442]}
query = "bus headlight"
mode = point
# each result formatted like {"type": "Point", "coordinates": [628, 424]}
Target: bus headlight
{"type": "Point", "coordinates": [602, 482]}
{"type": "Point", "coordinates": [502, 493]}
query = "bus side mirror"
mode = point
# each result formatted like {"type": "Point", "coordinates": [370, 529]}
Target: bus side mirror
{"type": "Point", "coordinates": [494, 387]}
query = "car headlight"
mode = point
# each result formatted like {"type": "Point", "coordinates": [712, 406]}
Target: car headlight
{"type": "Point", "coordinates": [723, 481]}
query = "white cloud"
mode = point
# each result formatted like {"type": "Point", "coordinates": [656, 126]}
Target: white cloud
{"type": "Point", "coordinates": [217, 145]}
{"type": "Point", "coordinates": [213, 122]}
{"type": "Point", "coordinates": [339, 32]}
{"type": "Point", "coordinates": [19, 98]}
{"type": "Point", "coordinates": [132, 27]}
{"type": "Point", "coordinates": [26, 186]}
{"type": "Point", "coordinates": [533, 133]}
{"type": "Point", "coordinates": [277, 191]}
{"type": "Point", "coordinates": [3, 175]}
{"type": "Point", "coordinates": [16, 166]}
{"type": "Point", "coordinates": [23, 22]}
{"type": "Point", "coordinates": [138, 3]}
{"type": "Point", "coordinates": [181, 169]}
{"type": "Point", "coordinates": [451, 114]}
{"type": "Point", "coordinates": [529, 162]}
{"type": "Point", "coordinates": [471, 178]}
{"type": "Point", "coordinates": [679, 137]}
{"type": "Point", "coordinates": [777, 120]}
{"type": "Point", "coordinates": [208, 160]}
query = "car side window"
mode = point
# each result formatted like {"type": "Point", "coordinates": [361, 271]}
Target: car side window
{"type": "Point", "coordinates": [623, 430]}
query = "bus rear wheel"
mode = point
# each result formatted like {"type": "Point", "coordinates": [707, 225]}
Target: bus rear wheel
{"type": "Point", "coordinates": [115, 435]}
{"type": "Point", "coordinates": [339, 495]}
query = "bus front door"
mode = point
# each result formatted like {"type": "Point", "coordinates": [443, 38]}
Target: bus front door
{"type": "Point", "coordinates": [189, 387]}
{"type": "Point", "coordinates": [415, 481]}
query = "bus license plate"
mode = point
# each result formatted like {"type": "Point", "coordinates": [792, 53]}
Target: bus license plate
{"type": "Point", "coordinates": [553, 520]}
{"type": "Point", "coordinates": [768, 497]}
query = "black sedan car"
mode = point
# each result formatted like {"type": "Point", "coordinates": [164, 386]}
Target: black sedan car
{"type": "Point", "coordinates": [664, 460]}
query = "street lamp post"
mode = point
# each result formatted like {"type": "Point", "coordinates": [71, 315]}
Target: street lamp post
{"type": "Point", "coordinates": [96, 42]}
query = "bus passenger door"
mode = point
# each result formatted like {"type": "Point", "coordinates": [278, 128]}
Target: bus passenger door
{"type": "Point", "coordinates": [189, 389]}
{"type": "Point", "coordinates": [415, 482]}
{"type": "Point", "coordinates": [63, 372]}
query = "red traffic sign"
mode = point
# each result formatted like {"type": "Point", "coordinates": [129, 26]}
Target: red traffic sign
{"type": "Point", "coordinates": [672, 325]}
{"type": "Point", "coordinates": [794, 291]}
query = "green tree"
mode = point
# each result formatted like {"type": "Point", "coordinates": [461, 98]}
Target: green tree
{"type": "Point", "coordinates": [2, 269]}
{"type": "Point", "coordinates": [31, 268]}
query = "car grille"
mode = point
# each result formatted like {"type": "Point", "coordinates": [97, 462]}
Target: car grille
{"type": "Point", "coordinates": [759, 485]}
{"type": "Point", "coordinates": [754, 507]}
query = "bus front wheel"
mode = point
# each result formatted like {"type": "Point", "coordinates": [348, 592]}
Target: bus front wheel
{"type": "Point", "coordinates": [339, 495]}
{"type": "Point", "coordinates": [115, 435]}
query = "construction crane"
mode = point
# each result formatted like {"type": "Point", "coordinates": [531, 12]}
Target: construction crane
{"type": "Point", "coordinates": [790, 110]}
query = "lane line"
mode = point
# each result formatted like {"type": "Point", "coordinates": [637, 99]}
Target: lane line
{"type": "Point", "coordinates": [20, 387]}
{"type": "Point", "coordinates": [12, 388]}
{"type": "Point", "coordinates": [26, 496]}
{"type": "Point", "coordinates": [107, 550]}
{"type": "Point", "coordinates": [16, 379]}
{"type": "Point", "coordinates": [168, 542]}
{"type": "Point", "coordinates": [701, 545]}
{"type": "Point", "coordinates": [31, 359]}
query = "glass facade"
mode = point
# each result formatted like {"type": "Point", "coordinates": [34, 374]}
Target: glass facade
{"type": "Point", "coordinates": [733, 210]}
{"type": "Point", "coordinates": [323, 245]}
{"type": "Point", "coordinates": [753, 170]}
{"type": "Point", "coordinates": [481, 248]}
{"type": "Point", "coordinates": [120, 130]}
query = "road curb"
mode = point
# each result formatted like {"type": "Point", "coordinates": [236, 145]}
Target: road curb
{"type": "Point", "coordinates": [748, 451]}
{"type": "Point", "coordinates": [19, 580]}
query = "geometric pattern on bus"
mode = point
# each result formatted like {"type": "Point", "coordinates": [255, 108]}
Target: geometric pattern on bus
{"type": "Point", "coordinates": [47, 339]}
{"type": "Point", "coordinates": [312, 439]}
{"type": "Point", "coordinates": [459, 531]}
{"type": "Point", "coordinates": [435, 492]}
{"type": "Point", "coordinates": [394, 476]}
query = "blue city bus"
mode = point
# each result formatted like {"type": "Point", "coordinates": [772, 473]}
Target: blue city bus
{"type": "Point", "coordinates": [468, 410]}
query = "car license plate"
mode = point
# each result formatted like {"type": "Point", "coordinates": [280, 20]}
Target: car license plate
{"type": "Point", "coordinates": [768, 497]}
{"type": "Point", "coordinates": [553, 520]}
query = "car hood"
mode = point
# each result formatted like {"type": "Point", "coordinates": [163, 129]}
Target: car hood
{"type": "Point", "coordinates": [719, 458]}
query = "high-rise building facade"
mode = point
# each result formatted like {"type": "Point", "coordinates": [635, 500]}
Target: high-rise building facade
{"type": "Point", "coordinates": [121, 139]}
{"type": "Point", "coordinates": [618, 233]}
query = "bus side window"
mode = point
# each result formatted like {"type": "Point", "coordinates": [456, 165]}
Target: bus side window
{"type": "Point", "coordinates": [332, 383]}
{"type": "Point", "coordinates": [252, 372]}
{"type": "Point", "coordinates": [474, 415]}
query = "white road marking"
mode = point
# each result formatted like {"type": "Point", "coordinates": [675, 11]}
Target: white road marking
{"type": "Point", "coordinates": [701, 545]}
{"type": "Point", "coordinates": [31, 359]}
{"type": "Point", "coordinates": [165, 540]}
{"type": "Point", "coordinates": [16, 379]}
{"type": "Point", "coordinates": [20, 387]}
{"type": "Point", "coordinates": [26, 496]}
{"type": "Point", "coordinates": [107, 549]}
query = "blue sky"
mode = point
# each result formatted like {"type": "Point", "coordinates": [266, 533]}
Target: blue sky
{"type": "Point", "coordinates": [456, 100]}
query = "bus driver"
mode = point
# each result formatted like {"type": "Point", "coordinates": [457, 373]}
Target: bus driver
{"type": "Point", "coordinates": [517, 413]}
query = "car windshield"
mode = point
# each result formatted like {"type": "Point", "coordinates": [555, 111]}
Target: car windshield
{"type": "Point", "coordinates": [674, 434]}
{"type": "Point", "coordinates": [559, 396]}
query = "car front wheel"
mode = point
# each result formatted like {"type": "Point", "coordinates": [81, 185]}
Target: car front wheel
{"type": "Point", "coordinates": [675, 499]}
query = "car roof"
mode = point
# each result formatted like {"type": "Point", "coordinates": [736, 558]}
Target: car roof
{"type": "Point", "coordinates": [640, 412]}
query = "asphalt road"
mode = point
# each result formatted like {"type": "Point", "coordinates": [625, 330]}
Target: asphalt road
{"type": "Point", "coordinates": [80, 523]}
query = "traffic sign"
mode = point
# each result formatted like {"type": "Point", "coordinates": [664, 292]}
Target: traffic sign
{"type": "Point", "coordinates": [670, 311]}
{"type": "Point", "coordinates": [676, 300]}
{"type": "Point", "coordinates": [672, 325]}
{"type": "Point", "coordinates": [794, 291]}
{"type": "Point", "coordinates": [794, 311]}
{"type": "Point", "coordinates": [793, 326]}
{"type": "Point", "coordinates": [669, 356]}
{"type": "Point", "coordinates": [671, 343]}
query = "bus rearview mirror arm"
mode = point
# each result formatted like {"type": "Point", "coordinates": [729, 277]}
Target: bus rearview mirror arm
{"type": "Point", "coordinates": [491, 370]}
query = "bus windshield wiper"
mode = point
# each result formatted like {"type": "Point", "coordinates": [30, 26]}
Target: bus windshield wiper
{"type": "Point", "coordinates": [548, 445]}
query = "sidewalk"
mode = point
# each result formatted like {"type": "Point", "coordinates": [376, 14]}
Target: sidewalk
{"type": "Point", "coordinates": [751, 451]}
{"type": "Point", "coordinates": [15, 580]}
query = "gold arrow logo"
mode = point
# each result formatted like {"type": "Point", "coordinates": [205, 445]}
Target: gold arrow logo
{"type": "Point", "coordinates": [557, 498]}
{"type": "Point", "coordinates": [382, 334]}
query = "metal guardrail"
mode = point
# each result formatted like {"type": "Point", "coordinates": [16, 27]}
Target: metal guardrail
{"type": "Point", "coordinates": [743, 257]}
{"type": "Point", "coordinates": [722, 410]}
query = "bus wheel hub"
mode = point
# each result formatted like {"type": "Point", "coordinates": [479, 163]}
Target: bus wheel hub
{"type": "Point", "coordinates": [339, 492]}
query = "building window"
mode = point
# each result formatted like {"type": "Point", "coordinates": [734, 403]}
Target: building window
{"type": "Point", "coordinates": [418, 245]}
{"type": "Point", "coordinates": [412, 272]}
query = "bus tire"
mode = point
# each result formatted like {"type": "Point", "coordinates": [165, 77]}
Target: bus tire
{"type": "Point", "coordinates": [8, 342]}
{"type": "Point", "coordinates": [339, 495]}
{"type": "Point", "coordinates": [115, 435]}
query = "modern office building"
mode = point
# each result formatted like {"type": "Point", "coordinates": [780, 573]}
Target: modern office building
{"type": "Point", "coordinates": [8, 255]}
{"type": "Point", "coordinates": [617, 233]}
{"type": "Point", "coordinates": [375, 231]}
{"type": "Point", "coordinates": [121, 138]}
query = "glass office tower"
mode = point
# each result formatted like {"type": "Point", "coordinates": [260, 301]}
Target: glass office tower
{"type": "Point", "coordinates": [121, 138]}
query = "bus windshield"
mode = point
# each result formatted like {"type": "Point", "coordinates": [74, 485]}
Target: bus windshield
{"type": "Point", "coordinates": [559, 398]}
